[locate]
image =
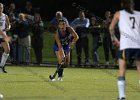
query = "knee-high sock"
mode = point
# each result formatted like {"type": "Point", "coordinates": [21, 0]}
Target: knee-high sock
{"type": "Point", "coordinates": [60, 71]}
{"type": "Point", "coordinates": [121, 86]}
{"type": "Point", "coordinates": [4, 59]}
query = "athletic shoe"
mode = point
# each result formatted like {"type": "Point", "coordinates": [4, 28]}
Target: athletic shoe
{"type": "Point", "coordinates": [53, 80]}
{"type": "Point", "coordinates": [121, 98]}
{"type": "Point", "coordinates": [60, 79]}
{"type": "Point", "coordinates": [3, 69]}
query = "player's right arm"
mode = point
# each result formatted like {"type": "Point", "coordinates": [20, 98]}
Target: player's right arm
{"type": "Point", "coordinates": [57, 39]}
{"type": "Point", "coordinates": [112, 26]}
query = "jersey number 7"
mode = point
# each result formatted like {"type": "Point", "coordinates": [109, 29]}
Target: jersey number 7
{"type": "Point", "coordinates": [133, 22]}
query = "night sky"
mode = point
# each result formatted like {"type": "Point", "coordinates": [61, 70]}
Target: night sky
{"type": "Point", "coordinates": [70, 8]}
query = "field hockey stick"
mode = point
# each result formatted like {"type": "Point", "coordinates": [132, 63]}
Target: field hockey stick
{"type": "Point", "coordinates": [54, 75]}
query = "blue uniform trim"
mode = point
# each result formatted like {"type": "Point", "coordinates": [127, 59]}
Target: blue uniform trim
{"type": "Point", "coordinates": [66, 48]}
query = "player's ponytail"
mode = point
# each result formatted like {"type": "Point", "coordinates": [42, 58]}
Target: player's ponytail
{"type": "Point", "coordinates": [128, 5]}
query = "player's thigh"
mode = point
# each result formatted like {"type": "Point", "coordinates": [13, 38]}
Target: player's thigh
{"type": "Point", "coordinates": [6, 47]}
{"type": "Point", "coordinates": [59, 56]}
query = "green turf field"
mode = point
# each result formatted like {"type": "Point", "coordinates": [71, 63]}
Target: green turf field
{"type": "Point", "coordinates": [32, 83]}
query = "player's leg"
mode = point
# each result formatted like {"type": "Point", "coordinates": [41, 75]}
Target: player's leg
{"type": "Point", "coordinates": [138, 69]}
{"type": "Point", "coordinates": [5, 55]}
{"type": "Point", "coordinates": [60, 56]}
{"type": "Point", "coordinates": [67, 55]}
{"type": "Point", "coordinates": [67, 59]}
{"type": "Point", "coordinates": [121, 78]}
{"type": "Point", "coordinates": [137, 60]}
{"type": "Point", "coordinates": [58, 66]}
{"type": "Point", "coordinates": [122, 70]}
{"type": "Point", "coordinates": [66, 64]}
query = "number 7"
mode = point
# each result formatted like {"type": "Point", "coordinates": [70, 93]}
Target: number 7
{"type": "Point", "coordinates": [133, 24]}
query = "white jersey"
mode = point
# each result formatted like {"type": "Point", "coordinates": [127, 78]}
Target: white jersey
{"type": "Point", "coordinates": [2, 24]}
{"type": "Point", "coordinates": [129, 26]}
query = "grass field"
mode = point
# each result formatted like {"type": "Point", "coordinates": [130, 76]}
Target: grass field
{"type": "Point", "coordinates": [32, 83]}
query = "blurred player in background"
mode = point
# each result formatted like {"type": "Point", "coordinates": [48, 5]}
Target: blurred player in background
{"type": "Point", "coordinates": [4, 39]}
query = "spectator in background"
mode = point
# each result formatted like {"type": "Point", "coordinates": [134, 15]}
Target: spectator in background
{"type": "Point", "coordinates": [28, 9]}
{"type": "Point", "coordinates": [94, 30]}
{"type": "Point", "coordinates": [37, 38]}
{"type": "Point", "coordinates": [107, 45]}
{"type": "Point", "coordinates": [24, 39]}
{"type": "Point", "coordinates": [12, 10]}
{"type": "Point", "coordinates": [4, 39]}
{"type": "Point", "coordinates": [14, 43]}
{"type": "Point", "coordinates": [54, 22]}
{"type": "Point", "coordinates": [80, 24]}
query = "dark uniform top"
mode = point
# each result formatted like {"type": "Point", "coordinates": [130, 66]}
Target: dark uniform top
{"type": "Point", "coordinates": [65, 40]}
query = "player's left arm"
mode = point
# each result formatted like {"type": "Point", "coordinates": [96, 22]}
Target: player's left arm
{"type": "Point", "coordinates": [74, 35]}
{"type": "Point", "coordinates": [112, 26]}
{"type": "Point", "coordinates": [8, 25]}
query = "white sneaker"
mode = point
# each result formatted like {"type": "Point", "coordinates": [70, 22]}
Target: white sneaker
{"type": "Point", "coordinates": [53, 80]}
{"type": "Point", "coordinates": [60, 79]}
